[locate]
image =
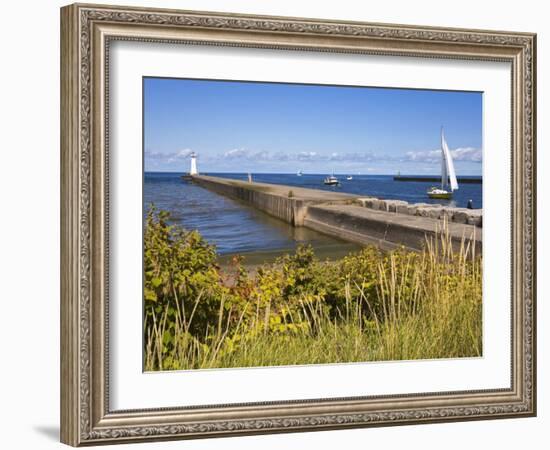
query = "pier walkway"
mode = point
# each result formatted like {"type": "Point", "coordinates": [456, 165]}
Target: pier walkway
{"type": "Point", "coordinates": [365, 220]}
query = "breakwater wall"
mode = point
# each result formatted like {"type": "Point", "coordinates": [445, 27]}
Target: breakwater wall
{"type": "Point", "coordinates": [283, 202]}
{"type": "Point", "coordinates": [385, 230]}
{"type": "Point", "coordinates": [365, 220]}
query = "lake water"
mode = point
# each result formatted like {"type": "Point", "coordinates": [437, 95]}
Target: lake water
{"type": "Point", "coordinates": [236, 228]}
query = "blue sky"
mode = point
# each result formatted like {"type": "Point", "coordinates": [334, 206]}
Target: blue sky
{"type": "Point", "coordinates": [282, 128]}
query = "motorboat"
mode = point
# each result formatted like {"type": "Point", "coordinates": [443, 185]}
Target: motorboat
{"type": "Point", "coordinates": [331, 181]}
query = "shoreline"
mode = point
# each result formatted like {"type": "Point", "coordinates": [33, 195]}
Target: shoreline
{"type": "Point", "coordinates": [257, 258]}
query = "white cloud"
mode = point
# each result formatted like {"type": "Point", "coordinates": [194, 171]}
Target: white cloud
{"type": "Point", "coordinates": [250, 155]}
{"type": "Point", "coordinates": [152, 155]}
{"type": "Point", "coordinates": [155, 158]}
{"type": "Point", "coordinates": [469, 154]}
{"type": "Point", "coordinates": [179, 156]}
{"type": "Point", "coordinates": [235, 153]}
{"type": "Point", "coordinates": [307, 156]}
{"type": "Point", "coordinates": [183, 153]}
{"type": "Point", "coordinates": [237, 158]}
{"type": "Point", "coordinates": [358, 157]}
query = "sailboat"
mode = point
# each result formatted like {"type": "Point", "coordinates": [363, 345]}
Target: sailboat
{"type": "Point", "coordinates": [299, 173]}
{"type": "Point", "coordinates": [448, 175]}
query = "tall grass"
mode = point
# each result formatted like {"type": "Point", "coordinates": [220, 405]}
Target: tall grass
{"type": "Point", "coordinates": [425, 305]}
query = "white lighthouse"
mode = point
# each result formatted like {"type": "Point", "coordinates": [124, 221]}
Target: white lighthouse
{"type": "Point", "coordinates": [193, 170]}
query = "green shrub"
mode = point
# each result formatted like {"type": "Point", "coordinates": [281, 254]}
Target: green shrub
{"type": "Point", "coordinates": [182, 288]}
{"type": "Point", "coordinates": [367, 306]}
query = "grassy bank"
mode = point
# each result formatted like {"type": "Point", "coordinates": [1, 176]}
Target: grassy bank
{"type": "Point", "coordinates": [368, 306]}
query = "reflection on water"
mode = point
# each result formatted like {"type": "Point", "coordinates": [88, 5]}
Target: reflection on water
{"type": "Point", "coordinates": [232, 226]}
{"type": "Point", "coordinates": [237, 228]}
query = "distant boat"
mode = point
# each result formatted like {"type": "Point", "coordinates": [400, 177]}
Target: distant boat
{"type": "Point", "coordinates": [331, 180]}
{"type": "Point", "coordinates": [349, 178]}
{"type": "Point", "coordinates": [448, 175]}
{"type": "Point", "coordinates": [299, 173]}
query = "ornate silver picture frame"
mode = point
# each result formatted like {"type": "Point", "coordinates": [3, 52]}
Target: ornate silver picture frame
{"type": "Point", "coordinates": [87, 32]}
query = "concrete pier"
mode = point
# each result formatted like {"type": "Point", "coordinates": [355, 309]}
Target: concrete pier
{"type": "Point", "coordinates": [383, 229]}
{"type": "Point", "coordinates": [287, 203]}
{"type": "Point", "coordinates": [385, 223]}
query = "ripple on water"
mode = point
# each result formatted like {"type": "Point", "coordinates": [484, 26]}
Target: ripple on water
{"type": "Point", "coordinates": [235, 228]}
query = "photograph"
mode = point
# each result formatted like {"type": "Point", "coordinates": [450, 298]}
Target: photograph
{"type": "Point", "coordinates": [291, 220]}
{"type": "Point", "coordinates": [293, 224]}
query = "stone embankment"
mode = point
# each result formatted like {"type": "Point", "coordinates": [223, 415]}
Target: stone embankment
{"type": "Point", "coordinates": [434, 211]}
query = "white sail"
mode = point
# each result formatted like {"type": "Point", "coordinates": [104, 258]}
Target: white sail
{"type": "Point", "coordinates": [447, 166]}
{"type": "Point", "coordinates": [444, 173]}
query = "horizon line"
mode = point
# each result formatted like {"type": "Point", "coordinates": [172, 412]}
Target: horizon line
{"type": "Point", "coordinates": [310, 173]}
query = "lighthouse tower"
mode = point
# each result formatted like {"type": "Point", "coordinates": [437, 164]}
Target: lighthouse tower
{"type": "Point", "coordinates": [193, 170]}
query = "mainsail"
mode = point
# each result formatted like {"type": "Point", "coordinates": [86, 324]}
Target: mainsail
{"type": "Point", "coordinates": [447, 166]}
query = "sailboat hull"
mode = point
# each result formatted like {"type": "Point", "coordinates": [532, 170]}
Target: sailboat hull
{"type": "Point", "coordinates": [446, 195]}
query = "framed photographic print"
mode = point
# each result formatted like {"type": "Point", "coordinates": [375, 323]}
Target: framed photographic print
{"type": "Point", "coordinates": [276, 224]}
